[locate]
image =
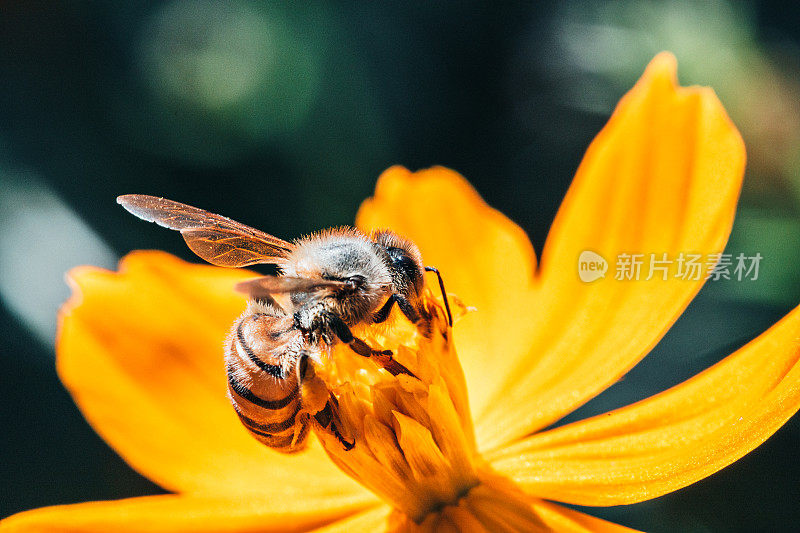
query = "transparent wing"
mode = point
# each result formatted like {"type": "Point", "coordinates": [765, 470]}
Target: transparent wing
{"type": "Point", "coordinates": [217, 239]}
{"type": "Point", "coordinates": [267, 286]}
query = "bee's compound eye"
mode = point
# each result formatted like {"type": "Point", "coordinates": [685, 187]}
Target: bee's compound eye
{"type": "Point", "coordinates": [404, 264]}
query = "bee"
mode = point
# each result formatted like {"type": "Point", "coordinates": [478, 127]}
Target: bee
{"type": "Point", "coordinates": [327, 283]}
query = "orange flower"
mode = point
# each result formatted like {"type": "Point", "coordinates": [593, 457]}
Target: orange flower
{"type": "Point", "coordinates": [140, 350]}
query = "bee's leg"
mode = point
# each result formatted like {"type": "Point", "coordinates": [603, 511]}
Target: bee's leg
{"type": "Point", "coordinates": [302, 367]}
{"type": "Point", "coordinates": [384, 357]}
{"type": "Point", "coordinates": [342, 331]}
{"type": "Point", "coordinates": [402, 302]}
{"type": "Point", "coordinates": [329, 419]}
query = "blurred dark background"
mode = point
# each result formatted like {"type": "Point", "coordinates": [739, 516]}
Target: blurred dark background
{"type": "Point", "coordinates": [282, 117]}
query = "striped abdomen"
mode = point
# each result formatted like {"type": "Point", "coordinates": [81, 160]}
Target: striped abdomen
{"type": "Point", "coordinates": [262, 381]}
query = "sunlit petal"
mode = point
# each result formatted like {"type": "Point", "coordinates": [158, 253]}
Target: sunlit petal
{"type": "Point", "coordinates": [141, 352]}
{"type": "Point", "coordinates": [673, 439]}
{"type": "Point", "coordinates": [371, 520]}
{"type": "Point", "coordinates": [485, 259]}
{"type": "Point", "coordinates": [562, 519]}
{"type": "Point", "coordinates": [662, 177]}
{"type": "Point", "coordinates": [497, 506]}
{"type": "Point", "coordinates": [172, 513]}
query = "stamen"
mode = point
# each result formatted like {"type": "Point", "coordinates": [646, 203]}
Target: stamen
{"type": "Point", "coordinates": [414, 444]}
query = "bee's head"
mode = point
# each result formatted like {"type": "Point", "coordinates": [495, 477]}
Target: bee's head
{"type": "Point", "coordinates": [405, 262]}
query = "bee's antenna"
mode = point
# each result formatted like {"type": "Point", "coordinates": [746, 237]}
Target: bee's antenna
{"type": "Point", "coordinates": [444, 294]}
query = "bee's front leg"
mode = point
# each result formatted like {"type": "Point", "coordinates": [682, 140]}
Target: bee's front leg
{"type": "Point", "coordinates": [402, 302]}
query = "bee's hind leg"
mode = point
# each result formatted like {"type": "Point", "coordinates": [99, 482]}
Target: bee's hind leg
{"type": "Point", "coordinates": [383, 357]}
{"type": "Point", "coordinates": [329, 419]}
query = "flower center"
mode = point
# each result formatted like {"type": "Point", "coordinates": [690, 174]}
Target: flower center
{"type": "Point", "coordinates": [414, 442]}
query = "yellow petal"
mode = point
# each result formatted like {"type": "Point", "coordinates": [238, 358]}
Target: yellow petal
{"type": "Point", "coordinates": [172, 513]}
{"type": "Point", "coordinates": [558, 518]}
{"type": "Point", "coordinates": [671, 440]}
{"type": "Point", "coordinates": [141, 352]}
{"type": "Point", "coordinates": [498, 506]}
{"type": "Point", "coordinates": [485, 259]}
{"type": "Point", "coordinates": [663, 176]}
{"type": "Point", "coordinates": [371, 520]}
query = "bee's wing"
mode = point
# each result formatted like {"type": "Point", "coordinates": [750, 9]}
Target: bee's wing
{"type": "Point", "coordinates": [267, 286]}
{"type": "Point", "coordinates": [217, 239]}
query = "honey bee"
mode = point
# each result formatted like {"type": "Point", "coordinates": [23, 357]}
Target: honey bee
{"type": "Point", "coordinates": [328, 283]}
